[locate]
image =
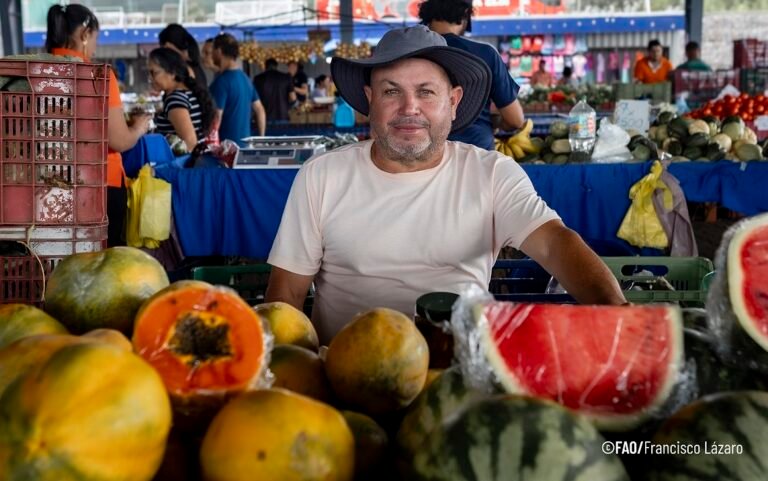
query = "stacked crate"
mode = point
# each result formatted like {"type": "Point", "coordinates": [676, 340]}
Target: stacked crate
{"type": "Point", "coordinates": [53, 151]}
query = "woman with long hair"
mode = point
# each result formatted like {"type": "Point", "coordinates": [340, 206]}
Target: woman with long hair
{"type": "Point", "coordinates": [176, 37]}
{"type": "Point", "coordinates": [72, 31]}
{"type": "Point", "coordinates": [187, 108]}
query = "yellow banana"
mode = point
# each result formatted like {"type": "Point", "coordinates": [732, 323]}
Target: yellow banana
{"type": "Point", "coordinates": [525, 132]}
{"type": "Point", "coordinates": [517, 151]}
{"type": "Point", "coordinates": [527, 146]}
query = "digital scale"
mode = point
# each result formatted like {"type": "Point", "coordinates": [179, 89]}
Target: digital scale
{"type": "Point", "coordinates": [277, 152]}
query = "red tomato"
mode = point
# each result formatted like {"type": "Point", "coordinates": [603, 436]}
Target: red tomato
{"type": "Point", "coordinates": [760, 109]}
{"type": "Point", "coordinates": [760, 98]}
{"type": "Point", "coordinates": [707, 111]}
{"type": "Point", "coordinates": [743, 96]}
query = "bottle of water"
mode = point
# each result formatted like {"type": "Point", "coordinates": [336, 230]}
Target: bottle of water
{"type": "Point", "coordinates": [582, 127]}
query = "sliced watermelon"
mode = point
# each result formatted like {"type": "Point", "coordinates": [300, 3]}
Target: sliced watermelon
{"type": "Point", "coordinates": [748, 277]}
{"type": "Point", "coordinates": [613, 364]}
{"type": "Point", "coordinates": [516, 438]}
{"type": "Point", "coordinates": [725, 435]}
{"type": "Point", "coordinates": [737, 302]}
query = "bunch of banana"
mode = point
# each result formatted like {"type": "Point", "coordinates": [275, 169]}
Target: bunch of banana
{"type": "Point", "coordinates": [520, 144]}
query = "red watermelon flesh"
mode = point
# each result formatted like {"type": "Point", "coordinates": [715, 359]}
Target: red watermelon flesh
{"type": "Point", "coordinates": [748, 278]}
{"type": "Point", "coordinates": [612, 364]}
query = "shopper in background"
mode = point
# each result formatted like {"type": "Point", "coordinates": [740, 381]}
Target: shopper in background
{"type": "Point", "coordinates": [187, 109]}
{"type": "Point", "coordinates": [234, 94]}
{"type": "Point", "coordinates": [693, 56]}
{"type": "Point", "coordinates": [322, 84]}
{"type": "Point", "coordinates": [451, 18]}
{"type": "Point", "coordinates": [176, 37]}
{"type": "Point", "coordinates": [207, 58]}
{"type": "Point", "coordinates": [542, 78]}
{"type": "Point", "coordinates": [275, 89]}
{"type": "Point", "coordinates": [568, 80]}
{"type": "Point", "coordinates": [73, 31]}
{"type": "Point", "coordinates": [654, 67]}
{"type": "Point", "coordinates": [300, 81]}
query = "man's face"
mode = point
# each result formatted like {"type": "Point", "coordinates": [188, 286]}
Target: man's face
{"type": "Point", "coordinates": [412, 105]}
{"type": "Point", "coordinates": [655, 53]}
{"type": "Point", "coordinates": [207, 54]}
{"type": "Point", "coordinates": [293, 67]}
{"type": "Point", "coordinates": [692, 53]}
{"type": "Point", "coordinates": [217, 57]}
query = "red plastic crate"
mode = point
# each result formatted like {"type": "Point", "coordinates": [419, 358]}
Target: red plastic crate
{"type": "Point", "coordinates": [704, 86]}
{"type": "Point", "coordinates": [28, 257]}
{"type": "Point", "coordinates": [750, 53]}
{"type": "Point", "coordinates": [53, 144]}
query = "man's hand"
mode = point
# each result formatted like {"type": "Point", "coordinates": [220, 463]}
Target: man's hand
{"type": "Point", "coordinates": [581, 272]}
{"type": "Point", "coordinates": [286, 286]}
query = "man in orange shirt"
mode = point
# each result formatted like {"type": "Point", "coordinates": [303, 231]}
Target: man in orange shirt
{"type": "Point", "coordinates": [654, 67]}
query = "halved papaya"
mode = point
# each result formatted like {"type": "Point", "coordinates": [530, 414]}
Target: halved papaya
{"type": "Point", "coordinates": [206, 343]}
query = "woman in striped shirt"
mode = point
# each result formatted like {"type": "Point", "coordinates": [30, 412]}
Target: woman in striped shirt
{"type": "Point", "coordinates": [187, 107]}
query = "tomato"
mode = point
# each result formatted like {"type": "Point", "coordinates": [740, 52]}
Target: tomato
{"type": "Point", "coordinates": [706, 112]}
{"type": "Point", "coordinates": [760, 109]}
{"type": "Point", "coordinates": [728, 98]}
{"type": "Point", "coordinates": [760, 98]}
{"type": "Point", "coordinates": [744, 96]}
{"type": "Point", "coordinates": [747, 117]}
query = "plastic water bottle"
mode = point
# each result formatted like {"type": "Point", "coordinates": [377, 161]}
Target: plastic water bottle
{"type": "Point", "coordinates": [582, 127]}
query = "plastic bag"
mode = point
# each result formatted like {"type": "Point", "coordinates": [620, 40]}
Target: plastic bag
{"type": "Point", "coordinates": [641, 226]}
{"type": "Point", "coordinates": [611, 145]}
{"type": "Point", "coordinates": [149, 210]}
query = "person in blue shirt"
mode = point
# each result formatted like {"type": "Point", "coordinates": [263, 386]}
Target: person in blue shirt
{"type": "Point", "coordinates": [451, 18]}
{"type": "Point", "coordinates": [234, 94]}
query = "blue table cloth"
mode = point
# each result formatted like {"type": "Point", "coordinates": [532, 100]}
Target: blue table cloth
{"type": "Point", "coordinates": [237, 212]}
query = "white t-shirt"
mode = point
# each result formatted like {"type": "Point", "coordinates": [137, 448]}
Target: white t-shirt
{"type": "Point", "coordinates": [376, 239]}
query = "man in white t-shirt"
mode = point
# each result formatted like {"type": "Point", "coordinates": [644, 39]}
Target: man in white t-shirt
{"type": "Point", "coordinates": [381, 222]}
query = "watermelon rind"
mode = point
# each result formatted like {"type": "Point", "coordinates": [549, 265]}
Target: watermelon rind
{"type": "Point", "coordinates": [736, 278]}
{"type": "Point", "coordinates": [603, 421]}
{"type": "Point", "coordinates": [510, 438]}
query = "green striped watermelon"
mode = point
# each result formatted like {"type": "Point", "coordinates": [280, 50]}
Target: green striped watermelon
{"type": "Point", "coordinates": [731, 432]}
{"type": "Point", "coordinates": [517, 438]}
{"type": "Point", "coordinates": [443, 397]}
{"type": "Point", "coordinates": [738, 298]}
{"type": "Point", "coordinates": [615, 365]}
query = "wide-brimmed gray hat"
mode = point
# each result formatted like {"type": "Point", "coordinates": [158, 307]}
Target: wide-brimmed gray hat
{"type": "Point", "coordinates": [466, 69]}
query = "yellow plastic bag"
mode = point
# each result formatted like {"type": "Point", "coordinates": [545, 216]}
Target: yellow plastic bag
{"type": "Point", "coordinates": [641, 226]}
{"type": "Point", "coordinates": [149, 210]}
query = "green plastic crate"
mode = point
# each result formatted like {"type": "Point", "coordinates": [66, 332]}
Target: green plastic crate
{"type": "Point", "coordinates": [686, 274]}
{"type": "Point", "coordinates": [658, 92]}
{"type": "Point", "coordinates": [249, 280]}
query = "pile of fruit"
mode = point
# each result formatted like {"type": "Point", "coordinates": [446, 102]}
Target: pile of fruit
{"type": "Point", "coordinates": [252, 52]}
{"type": "Point", "coordinates": [520, 146]}
{"type": "Point", "coordinates": [210, 388]}
{"type": "Point", "coordinates": [706, 138]}
{"type": "Point", "coordinates": [745, 106]}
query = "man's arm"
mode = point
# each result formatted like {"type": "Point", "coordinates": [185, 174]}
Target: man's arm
{"type": "Point", "coordinates": [286, 286]}
{"type": "Point", "coordinates": [512, 116]}
{"type": "Point", "coordinates": [581, 272]}
{"type": "Point", "coordinates": [261, 116]}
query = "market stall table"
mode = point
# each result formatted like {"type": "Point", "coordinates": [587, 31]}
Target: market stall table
{"type": "Point", "coordinates": [237, 212]}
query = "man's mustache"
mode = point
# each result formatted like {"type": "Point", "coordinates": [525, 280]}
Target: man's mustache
{"type": "Point", "coordinates": [409, 121]}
